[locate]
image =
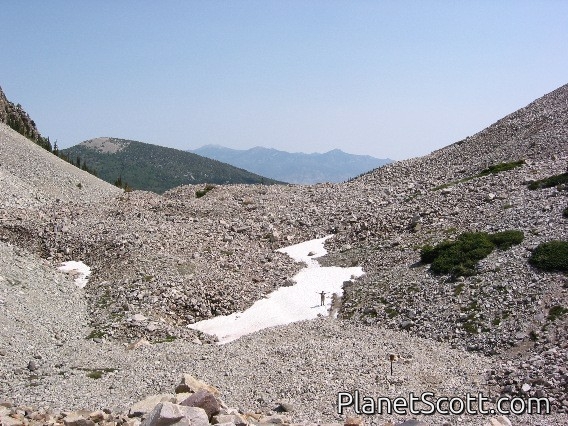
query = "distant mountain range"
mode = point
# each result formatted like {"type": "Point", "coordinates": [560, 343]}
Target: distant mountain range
{"type": "Point", "coordinates": [332, 166]}
{"type": "Point", "coordinates": [155, 168]}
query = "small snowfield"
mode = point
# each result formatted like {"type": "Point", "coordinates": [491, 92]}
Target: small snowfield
{"type": "Point", "coordinates": [287, 304]}
{"type": "Point", "coordinates": [79, 270]}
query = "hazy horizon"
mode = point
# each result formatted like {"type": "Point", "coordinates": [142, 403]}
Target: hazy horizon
{"type": "Point", "coordinates": [266, 147]}
{"type": "Point", "coordinates": [387, 79]}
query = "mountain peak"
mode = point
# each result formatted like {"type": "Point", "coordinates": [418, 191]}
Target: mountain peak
{"type": "Point", "coordinates": [106, 145]}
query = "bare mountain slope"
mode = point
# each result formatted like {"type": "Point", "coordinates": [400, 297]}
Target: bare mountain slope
{"type": "Point", "coordinates": [537, 131]}
{"type": "Point", "coordinates": [32, 176]}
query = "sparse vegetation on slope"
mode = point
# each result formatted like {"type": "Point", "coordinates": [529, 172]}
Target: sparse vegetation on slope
{"type": "Point", "coordinates": [556, 312]}
{"type": "Point", "coordinates": [501, 167]}
{"type": "Point", "coordinates": [549, 182]}
{"type": "Point", "coordinates": [460, 257]}
{"type": "Point", "coordinates": [491, 170]}
{"type": "Point", "coordinates": [201, 192]}
{"type": "Point", "coordinates": [123, 185]}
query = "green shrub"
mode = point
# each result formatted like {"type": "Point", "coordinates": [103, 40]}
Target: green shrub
{"type": "Point", "coordinates": [96, 334]}
{"type": "Point", "coordinates": [460, 257]}
{"type": "Point", "coordinates": [565, 212]}
{"type": "Point", "coordinates": [491, 170]}
{"type": "Point", "coordinates": [471, 327]}
{"type": "Point", "coordinates": [501, 167]}
{"type": "Point", "coordinates": [506, 239]}
{"type": "Point", "coordinates": [551, 256]}
{"type": "Point", "coordinates": [556, 312]}
{"type": "Point", "coordinates": [429, 253]}
{"type": "Point", "coordinates": [95, 374]}
{"type": "Point", "coordinates": [201, 192]}
{"type": "Point", "coordinates": [167, 339]}
{"type": "Point", "coordinates": [549, 182]}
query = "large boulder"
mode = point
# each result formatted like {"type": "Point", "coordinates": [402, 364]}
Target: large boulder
{"type": "Point", "coordinates": [141, 408]}
{"type": "Point", "coordinates": [197, 416]}
{"type": "Point", "coordinates": [191, 384]}
{"type": "Point", "coordinates": [203, 399]}
{"type": "Point", "coordinates": [235, 419]}
{"type": "Point", "coordinates": [166, 414]}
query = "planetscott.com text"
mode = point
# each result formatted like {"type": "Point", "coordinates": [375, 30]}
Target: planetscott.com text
{"type": "Point", "coordinates": [428, 403]}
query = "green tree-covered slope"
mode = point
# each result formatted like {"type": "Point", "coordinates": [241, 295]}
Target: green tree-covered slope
{"type": "Point", "coordinates": [156, 168]}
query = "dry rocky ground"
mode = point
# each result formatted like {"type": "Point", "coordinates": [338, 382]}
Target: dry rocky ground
{"type": "Point", "coordinates": [163, 262]}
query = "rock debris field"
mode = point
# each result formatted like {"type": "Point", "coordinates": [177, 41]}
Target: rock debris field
{"type": "Point", "coordinates": [162, 264]}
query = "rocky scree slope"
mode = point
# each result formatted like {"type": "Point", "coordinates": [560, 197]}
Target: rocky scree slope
{"type": "Point", "coordinates": [504, 309]}
{"type": "Point", "coordinates": [162, 262]}
{"type": "Point", "coordinates": [130, 234]}
{"type": "Point", "coordinates": [33, 178]}
{"type": "Point", "coordinates": [49, 370]}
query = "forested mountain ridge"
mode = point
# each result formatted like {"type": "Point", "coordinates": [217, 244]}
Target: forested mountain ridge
{"type": "Point", "coordinates": [156, 168]}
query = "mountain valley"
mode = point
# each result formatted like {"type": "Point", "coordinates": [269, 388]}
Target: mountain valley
{"type": "Point", "coordinates": [164, 261]}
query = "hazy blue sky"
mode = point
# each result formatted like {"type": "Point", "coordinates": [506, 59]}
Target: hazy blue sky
{"type": "Point", "coordinates": [387, 78]}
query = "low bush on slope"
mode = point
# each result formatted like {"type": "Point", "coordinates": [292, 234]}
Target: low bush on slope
{"type": "Point", "coordinates": [556, 312]}
{"type": "Point", "coordinates": [549, 182]}
{"type": "Point", "coordinates": [460, 257]}
{"type": "Point", "coordinates": [501, 167]}
{"type": "Point", "coordinates": [551, 256]}
{"type": "Point", "coordinates": [491, 170]}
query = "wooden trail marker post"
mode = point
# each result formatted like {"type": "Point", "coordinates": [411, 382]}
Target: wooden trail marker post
{"type": "Point", "coordinates": [392, 359]}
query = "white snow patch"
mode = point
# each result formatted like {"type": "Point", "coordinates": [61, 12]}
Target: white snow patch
{"type": "Point", "coordinates": [79, 270]}
{"type": "Point", "coordinates": [287, 304]}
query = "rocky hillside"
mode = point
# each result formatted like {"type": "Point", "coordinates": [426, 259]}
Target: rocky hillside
{"type": "Point", "coordinates": [333, 166]}
{"type": "Point", "coordinates": [155, 168]}
{"type": "Point", "coordinates": [33, 178]}
{"type": "Point", "coordinates": [15, 117]}
{"type": "Point", "coordinates": [161, 262]}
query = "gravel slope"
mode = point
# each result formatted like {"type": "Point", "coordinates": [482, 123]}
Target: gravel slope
{"type": "Point", "coordinates": [304, 364]}
{"type": "Point", "coordinates": [176, 259]}
{"type": "Point", "coordinates": [31, 176]}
